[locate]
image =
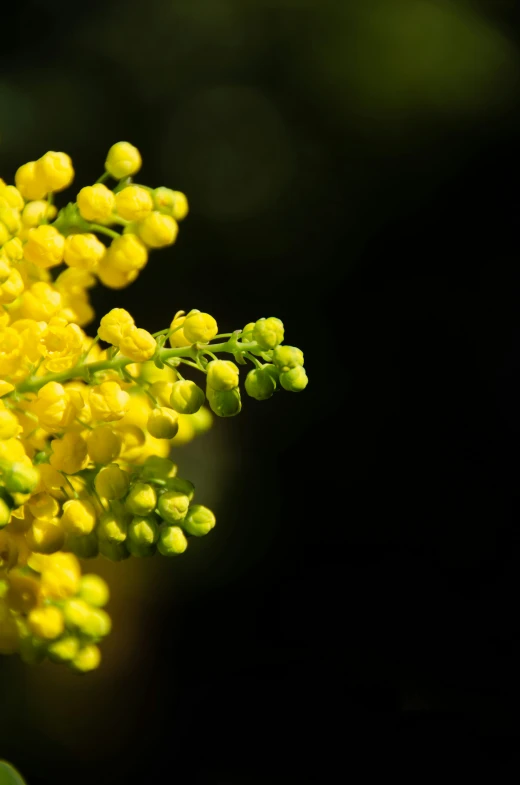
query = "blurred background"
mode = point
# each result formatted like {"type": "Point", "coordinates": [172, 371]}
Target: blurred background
{"type": "Point", "coordinates": [352, 168]}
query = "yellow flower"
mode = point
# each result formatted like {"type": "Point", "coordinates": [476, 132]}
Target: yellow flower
{"type": "Point", "coordinates": [69, 454]}
{"type": "Point", "coordinates": [134, 203]}
{"type": "Point", "coordinates": [36, 212]}
{"type": "Point", "coordinates": [55, 170]}
{"type": "Point", "coordinates": [13, 249]}
{"type": "Point", "coordinates": [96, 202]}
{"type": "Point", "coordinates": [10, 349]}
{"type": "Point", "coordinates": [163, 423]}
{"type": "Point", "coordinates": [103, 444]}
{"type": "Point", "coordinates": [112, 482]}
{"type": "Point", "coordinates": [56, 407]}
{"type": "Point", "coordinates": [123, 159]}
{"type": "Point", "coordinates": [79, 516]}
{"type": "Point", "coordinates": [173, 203]}
{"type": "Point", "coordinates": [178, 338]}
{"type": "Point", "coordinates": [112, 278]}
{"type": "Point", "coordinates": [84, 251]}
{"type": "Point", "coordinates": [29, 181]}
{"type": "Point", "coordinates": [47, 623]}
{"type": "Point", "coordinates": [43, 505]}
{"type": "Point", "coordinates": [10, 197]}
{"type": "Point", "coordinates": [108, 402]}
{"type": "Point", "coordinates": [60, 575]}
{"type": "Point", "coordinates": [44, 246]}
{"type": "Point", "coordinates": [40, 302]}
{"type": "Point", "coordinates": [45, 536]}
{"type": "Point", "coordinates": [126, 254]}
{"type": "Point", "coordinates": [113, 324]}
{"type": "Point", "coordinates": [61, 345]}
{"type": "Point", "coordinates": [137, 344]}
{"type": "Point", "coordinates": [12, 287]}
{"type": "Point", "coordinates": [158, 230]}
{"type": "Point", "coordinates": [199, 327]}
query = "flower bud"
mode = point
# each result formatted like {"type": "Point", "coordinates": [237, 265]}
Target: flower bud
{"type": "Point", "coordinates": [126, 254]}
{"type": "Point", "coordinates": [104, 444]}
{"type": "Point", "coordinates": [226, 403]}
{"type": "Point", "coordinates": [177, 338]}
{"type": "Point", "coordinates": [96, 202]}
{"type": "Point", "coordinates": [94, 590]}
{"type": "Point", "coordinates": [112, 482]}
{"type": "Point", "coordinates": [172, 541]}
{"type": "Point", "coordinates": [83, 251]}
{"type": "Point", "coordinates": [87, 659]}
{"type": "Point", "coordinates": [260, 383]}
{"type": "Point", "coordinates": [137, 344]}
{"type": "Point", "coordinates": [115, 551]}
{"type": "Point", "coordinates": [79, 517]}
{"type": "Point", "coordinates": [108, 402]}
{"type": "Point", "coordinates": [294, 380]}
{"type": "Point", "coordinates": [133, 203]}
{"type": "Point", "coordinates": [199, 520]}
{"type": "Point", "coordinates": [63, 650]}
{"type": "Point", "coordinates": [114, 324]}
{"type": "Point", "coordinates": [83, 546]}
{"type": "Point", "coordinates": [45, 536]}
{"type": "Point", "coordinates": [45, 246]}
{"type": "Point", "coordinates": [29, 182]}
{"type": "Point", "coordinates": [173, 506]}
{"type": "Point", "coordinates": [157, 468]}
{"type": "Point", "coordinates": [199, 327]}
{"type": "Point", "coordinates": [170, 202]}
{"type": "Point", "coordinates": [142, 498]}
{"type": "Point", "coordinates": [222, 375]}
{"type": "Point", "coordinates": [20, 477]}
{"type": "Point", "coordinates": [186, 397]}
{"type": "Point", "coordinates": [163, 423]}
{"type": "Point", "coordinates": [179, 485]}
{"type": "Point", "coordinates": [268, 333]}
{"type": "Point", "coordinates": [55, 170]}
{"type": "Point", "coordinates": [123, 159]}
{"type": "Point", "coordinates": [112, 528]}
{"type": "Point", "coordinates": [287, 357]}
{"type": "Point", "coordinates": [143, 530]}
{"type": "Point", "coordinates": [157, 230]}
{"type": "Point", "coordinates": [47, 623]}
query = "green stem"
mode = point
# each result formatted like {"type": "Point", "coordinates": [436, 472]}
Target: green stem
{"type": "Point", "coordinates": [104, 177]}
{"type": "Point", "coordinates": [83, 370]}
{"type": "Point", "coordinates": [105, 230]}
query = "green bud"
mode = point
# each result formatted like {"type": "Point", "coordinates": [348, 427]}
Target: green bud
{"type": "Point", "coordinates": [199, 520]}
{"type": "Point", "coordinates": [115, 551]}
{"type": "Point", "coordinates": [163, 423]}
{"type": "Point", "coordinates": [112, 528]}
{"type": "Point", "coordinates": [63, 650]}
{"type": "Point", "coordinates": [96, 624]}
{"type": "Point", "coordinates": [20, 477]}
{"type": "Point", "coordinates": [141, 551]}
{"type": "Point", "coordinates": [83, 546]}
{"type": "Point", "coordinates": [247, 332]}
{"type": "Point", "coordinates": [163, 200]}
{"type": "Point", "coordinates": [76, 611]}
{"type": "Point", "coordinates": [94, 590]}
{"type": "Point", "coordinates": [32, 650]}
{"type": "Point", "coordinates": [222, 375]}
{"type": "Point", "coordinates": [142, 499]}
{"type": "Point", "coordinates": [173, 506]}
{"type": "Point", "coordinates": [260, 383]}
{"type": "Point", "coordinates": [143, 530]}
{"type": "Point", "coordinates": [226, 403]}
{"type": "Point", "coordinates": [5, 513]}
{"type": "Point", "coordinates": [156, 468]}
{"type": "Point", "coordinates": [287, 357]}
{"type": "Point", "coordinates": [268, 333]}
{"type": "Point", "coordinates": [186, 397]}
{"type": "Point", "coordinates": [294, 380]}
{"type": "Point", "coordinates": [172, 541]}
{"type": "Point", "coordinates": [181, 486]}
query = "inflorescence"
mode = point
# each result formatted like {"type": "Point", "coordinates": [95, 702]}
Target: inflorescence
{"type": "Point", "coordinates": [86, 432]}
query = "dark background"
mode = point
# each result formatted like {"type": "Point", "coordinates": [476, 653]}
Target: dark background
{"type": "Point", "coordinates": [352, 168]}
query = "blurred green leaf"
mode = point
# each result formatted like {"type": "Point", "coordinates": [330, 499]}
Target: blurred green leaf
{"type": "Point", "coordinates": [9, 776]}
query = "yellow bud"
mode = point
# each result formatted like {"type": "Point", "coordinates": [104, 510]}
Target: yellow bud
{"type": "Point", "coordinates": [45, 536]}
{"type": "Point", "coordinates": [137, 344]}
{"type": "Point", "coordinates": [96, 202]}
{"type": "Point", "coordinates": [47, 623]}
{"type": "Point", "coordinates": [108, 402]}
{"type": "Point", "coordinates": [133, 203]}
{"type": "Point", "coordinates": [199, 327]}
{"type": "Point", "coordinates": [84, 251]}
{"type": "Point", "coordinates": [112, 482]}
{"type": "Point", "coordinates": [40, 302]}
{"type": "Point", "coordinates": [55, 171]}
{"type": "Point", "coordinates": [126, 254]}
{"type": "Point", "coordinates": [113, 324]}
{"type": "Point", "coordinates": [123, 159]}
{"type": "Point", "coordinates": [103, 445]}
{"type": "Point", "coordinates": [69, 454]}
{"type": "Point", "coordinates": [44, 246]}
{"type": "Point", "coordinates": [79, 516]}
{"type": "Point", "coordinates": [163, 423]}
{"type": "Point", "coordinates": [36, 212]}
{"type": "Point", "coordinates": [177, 338]}
{"type": "Point", "coordinates": [29, 182]}
{"type": "Point", "coordinates": [158, 230]}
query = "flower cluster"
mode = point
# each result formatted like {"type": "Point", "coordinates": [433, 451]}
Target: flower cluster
{"type": "Point", "coordinates": [86, 432]}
